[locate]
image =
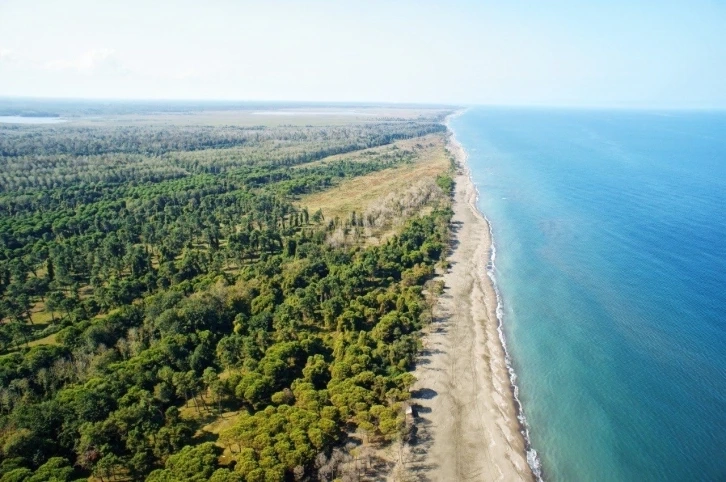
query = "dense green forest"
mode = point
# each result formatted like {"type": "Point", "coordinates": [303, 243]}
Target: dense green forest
{"type": "Point", "coordinates": [180, 281]}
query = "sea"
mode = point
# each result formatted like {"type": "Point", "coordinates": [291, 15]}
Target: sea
{"type": "Point", "coordinates": [610, 236]}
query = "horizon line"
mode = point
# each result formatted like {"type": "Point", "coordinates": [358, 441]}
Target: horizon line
{"type": "Point", "coordinates": [368, 103]}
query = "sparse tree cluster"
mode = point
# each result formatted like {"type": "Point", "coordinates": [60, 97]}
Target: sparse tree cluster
{"type": "Point", "coordinates": [179, 297]}
{"type": "Point", "coordinates": [53, 157]}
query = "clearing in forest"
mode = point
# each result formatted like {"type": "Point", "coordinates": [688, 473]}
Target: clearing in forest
{"type": "Point", "coordinates": [429, 159]}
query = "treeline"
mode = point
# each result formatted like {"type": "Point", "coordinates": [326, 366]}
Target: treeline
{"type": "Point", "coordinates": [212, 292]}
{"type": "Point", "coordinates": [46, 157]}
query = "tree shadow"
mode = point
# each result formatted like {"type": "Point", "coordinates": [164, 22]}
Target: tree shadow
{"type": "Point", "coordinates": [419, 440]}
{"type": "Point", "coordinates": [424, 394]}
{"type": "Point", "coordinates": [421, 409]}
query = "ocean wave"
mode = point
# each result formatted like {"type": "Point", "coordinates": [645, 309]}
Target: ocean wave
{"type": "Point", "coordinates": [532, 456]}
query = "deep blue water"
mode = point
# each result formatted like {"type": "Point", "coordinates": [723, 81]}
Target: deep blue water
{"type": "Point", "coordinates": [610, 230]}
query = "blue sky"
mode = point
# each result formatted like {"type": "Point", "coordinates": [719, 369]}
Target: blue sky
{"type": "Point", "coordinates": [614, 54]}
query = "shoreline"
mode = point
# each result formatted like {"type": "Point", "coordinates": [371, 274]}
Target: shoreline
{"type": "Point", "coordinates": [490, 283]}
{"type": "Point", "coordinates": [468, 425]}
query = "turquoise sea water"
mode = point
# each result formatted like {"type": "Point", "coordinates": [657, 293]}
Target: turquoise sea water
{"type": "Point", "coordinates": [610, 235]}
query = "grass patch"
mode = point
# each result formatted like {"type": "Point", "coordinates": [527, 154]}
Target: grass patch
{"type": "Point", "coordinates": [40, 316]}
{"type": "Point", "coordinates": [48, 340]}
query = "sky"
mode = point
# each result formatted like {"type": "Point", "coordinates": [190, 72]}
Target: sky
{"type": "Point", "coordinates": [556, 53]}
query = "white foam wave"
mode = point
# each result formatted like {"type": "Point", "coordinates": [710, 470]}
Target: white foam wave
{"type": "Point", "coordinates": [532, 457]}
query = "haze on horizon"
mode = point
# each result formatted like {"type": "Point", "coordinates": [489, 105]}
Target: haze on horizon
{"type": "Point", "coordinates": [566, 53]}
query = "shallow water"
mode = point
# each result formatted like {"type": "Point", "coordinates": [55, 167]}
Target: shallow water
{"type": "Point", "coordinates": [610, 229]}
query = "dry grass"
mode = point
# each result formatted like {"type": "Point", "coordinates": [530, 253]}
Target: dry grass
{"type": "Point", "coordinates": [217, 426]}
{"type": "Point", "coordinates": [357, 194]}
{"type": "Point", "coordinates": [210, 424]}
{"type": "Point", "coordinates": [376, 153]}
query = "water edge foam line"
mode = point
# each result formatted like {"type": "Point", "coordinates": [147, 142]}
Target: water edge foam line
{"type": "Point", "coordinates": [531, 454]}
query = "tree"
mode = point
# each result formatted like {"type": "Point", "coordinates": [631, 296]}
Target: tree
{"type": "Point", "coordinates": [107, 467]}
{"type": "Point", "coordinates": [301, 338]}
{"type": "Point", "coordinates": [226, 475]}
{"type": "Point", "coordinates": [193, 464]}
{"type": "Point", "coordinates": [19, 332]}
{"type": "Point", "coordinates": [54, 302]}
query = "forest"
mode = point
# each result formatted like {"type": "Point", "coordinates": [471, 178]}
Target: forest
{"type": "Point", "coordinates": [156, 277]}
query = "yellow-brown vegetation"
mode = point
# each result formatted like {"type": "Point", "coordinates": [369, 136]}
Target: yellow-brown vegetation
{"type": "Point", "coordinates": [377, 191]}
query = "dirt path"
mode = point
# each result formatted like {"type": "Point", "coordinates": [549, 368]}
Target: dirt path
{"type": "Point", "coordinates": [466, 427]}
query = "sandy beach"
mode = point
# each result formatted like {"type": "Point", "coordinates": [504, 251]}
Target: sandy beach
{"type": "Point", "coordinates": [467, 427]}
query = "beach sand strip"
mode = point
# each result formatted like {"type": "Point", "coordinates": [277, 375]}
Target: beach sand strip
{"type": "Point", "coordinates": [466, 425]}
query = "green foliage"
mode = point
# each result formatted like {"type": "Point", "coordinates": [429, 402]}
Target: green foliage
{"type": "Point", "coordinates": [56, 469]}
{"type": "Point", "coordinates": [193, 464]}
{"type": "Point", "coordinates": [17, 475]}
{"type": "Point", "coordinates": [445, 182]}
{"type": "Point", "coordinates": [181, 278]}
